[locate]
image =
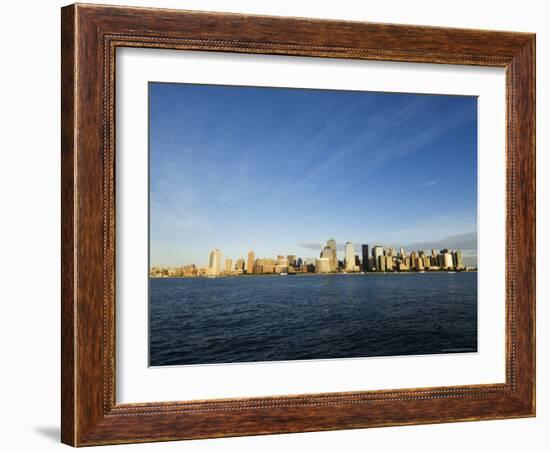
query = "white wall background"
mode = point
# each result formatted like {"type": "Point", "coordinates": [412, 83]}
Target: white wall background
{"type": "Point", "coordinates": [30, 228]}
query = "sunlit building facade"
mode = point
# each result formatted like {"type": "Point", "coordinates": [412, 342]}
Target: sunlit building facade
{"type": "Point", "coordinates": [214, 263]}
{"type": "Point", "coordinates": [349, 262]}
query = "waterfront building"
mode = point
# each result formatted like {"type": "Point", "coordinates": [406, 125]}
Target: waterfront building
{"type": "Point", "coordinates": [322, 265]}
{"type": "Point", "coordinates": [264, 266]}
{"type": "Point", "coordinates": [188, 270]}
{"type": "Point", "coordinates": [299, 262]}
{"type": "Point", "coordinates": [434, 260]}
{"type": "Point", "coordinates": [426, 261]}
{"type": "Point", "coordinates": [239, 266]}
{"type": "Point", "coordinates": [214, 263]}
{"type": "Point", "coordinates": [228, 266]}
{"type": "Point", "coordinates": [382, 263]}
{"type": "Point", "coordinates": [334, 260]}
{"type": "Point", "coordinates": [414, 260]}
{"type": "Point", "coordinates": [419, 264]}
{"type": "Point", "coordinates": [250, 264]}
{"type": "Point", "coordinates": [357, 262]}
{"type": "Point", "coordinates": [281, 266]}
{"type": "Point", "coordinates": [402, 253]}
{"type": "Point", "coordinates": [291, 260]}
{"type": "Point", "coordinates": [365, 255]}
{"type": "Point", "coordinates": [329, 252]}
{"type": "Point", "coordinates": [457, 260]}
{"type": "Point", "coordinates": [349, 263]}
{"type": "Point", "coordinates": [446, 260]}
{"type": "Point", "coordinates": [377, 252]}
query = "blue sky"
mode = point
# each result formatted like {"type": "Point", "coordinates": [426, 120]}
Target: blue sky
{"type": "Point", "coordinates": [280, 171]}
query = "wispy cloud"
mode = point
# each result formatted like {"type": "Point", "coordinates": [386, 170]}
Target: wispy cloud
{"type": "Point", "coordinates": [430, 183]}
{"type": "Point", "coordinates": [462, 241]}
{"type": "Point", "coordinates": [319, 246]}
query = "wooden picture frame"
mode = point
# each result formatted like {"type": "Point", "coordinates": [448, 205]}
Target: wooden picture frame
{"type": "Point", "coordinates": [90, 36]}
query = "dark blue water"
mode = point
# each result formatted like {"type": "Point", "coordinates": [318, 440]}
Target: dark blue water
{"type": "Point", "coordinates": [266, 318]}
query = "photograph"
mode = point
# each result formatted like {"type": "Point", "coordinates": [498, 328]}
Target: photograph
{"type": "Point", "coordinates": [294, 224]}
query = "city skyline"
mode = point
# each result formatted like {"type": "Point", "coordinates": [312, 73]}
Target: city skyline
{"type": "Point", "coordinates": [276, 169]}
{"type": "Point", "coordinates": [379, 259]}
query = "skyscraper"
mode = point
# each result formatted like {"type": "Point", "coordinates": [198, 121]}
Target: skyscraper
{"type": "Point", "coordinates": [228, 266]}
{"type": "Point", "coordinates": [349, 265]}
{"type": "Point", "coordinates": [365, 255]}
{"type": "Point", "coordinates": [446, 259]}
{"type": "Point", "coordinates": [334, 259]}
{"type": "Point", "coordinates": [328, 252]}
{"type": "Point", "coordinates": [382, 263]}
{"type": "Point", "coordinates": [214, 263]}
{"type": "Point", "coordinates": [250, 262]}
{"type": "Point", "coordinates": [457, 257]}
{"type": "Point", "coordinates": [377, 252]}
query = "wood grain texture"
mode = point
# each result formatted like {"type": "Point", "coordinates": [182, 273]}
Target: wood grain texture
{"type": "Point", "coordinates": [90, 36]}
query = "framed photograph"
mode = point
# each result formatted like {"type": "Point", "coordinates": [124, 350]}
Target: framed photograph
{"type": "Point", "coordinates": [278, 225]}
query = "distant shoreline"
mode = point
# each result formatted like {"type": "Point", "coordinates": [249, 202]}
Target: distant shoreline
{"type": "Point", "coordinates": [370, 273]}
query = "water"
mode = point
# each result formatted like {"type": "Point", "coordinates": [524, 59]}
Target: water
{"type": "Point", "coordinates": [268, 318]}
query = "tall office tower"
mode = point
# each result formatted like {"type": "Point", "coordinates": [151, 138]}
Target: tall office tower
{"type": "Point", "coordinates": [457, 257]}
{"type": "Point", "coordinates": [421, 253]}
{"type": "Point", "coordinates": [382, 263]}
{"type": "Point", "coordinates": [328, 252]}
{"type": "Point", "coordinates": [402, 252]}
{"type": "Point", "coordinates": [365, 255]}
{"type": "Point", "coordinates": [291, 260]}
{"type": "Point", "coordinates": [334, 262]}
{"type": "Point", "coordinates": [250, 263]}
{"type": "Point", "coordinates": [349, 264]}
{"type": "Point", "coordinates": [214, 263]}
{"type": "Point", "coordinates": [228, 267]}
{"type": "Point", "coordinates": [426, 261]}
{"type": "Point", "coordinates": [377, 251]}
{"type": "Point", "coordinates": [442, 258]}
{"type": "Point", "coordinates": [299, 262]}
{"type": "Point", "coordinates": [447, 260]}
{"type": "Point", "coordinates": [434, 258]}
{"type": "Point", "coordinates": [239, 265]}
{"type": "Point", "coordinates": [414, 259]}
